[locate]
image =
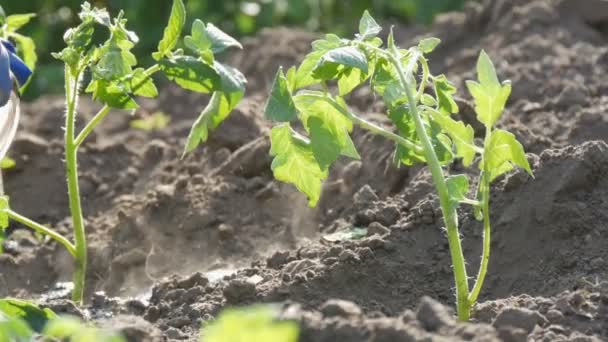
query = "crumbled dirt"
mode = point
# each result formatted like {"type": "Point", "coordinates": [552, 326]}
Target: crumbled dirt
{"type": "Point", "coordinates": [174, 241]}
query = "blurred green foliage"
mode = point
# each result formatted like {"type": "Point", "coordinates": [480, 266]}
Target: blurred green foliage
{"type": "Point", "coordinates": [237, 17]}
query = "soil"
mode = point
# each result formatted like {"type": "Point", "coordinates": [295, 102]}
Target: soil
{"type": "Point", "coordinates": [172, 241]}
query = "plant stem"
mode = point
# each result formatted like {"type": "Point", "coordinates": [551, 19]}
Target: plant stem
{"type": "Point", "coordinates": [487, 238]}
{"type": "Point", "coordinates": [88, 129]}
{"type": "Point", "coordinates": [42, 230]}
{"type": "Point", "coordinates": [450, 216]}
{"type": "Point", "coordinates": [71, 162]}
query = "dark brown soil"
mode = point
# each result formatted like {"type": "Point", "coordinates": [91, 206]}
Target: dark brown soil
{"type": "Point", "coordinates": [175, 241]}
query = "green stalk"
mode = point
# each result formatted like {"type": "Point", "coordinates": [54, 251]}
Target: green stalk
{"type": "Point", "coordinates": [37, 227]}
{"type": "Point", "coordinates": [487, 239]}
{"type": "Point", "coordinates": [72, 83]}
{"type": "Point", "coordinates": [450, 216]}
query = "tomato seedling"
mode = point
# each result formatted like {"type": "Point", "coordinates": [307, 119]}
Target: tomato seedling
{"type": "Point", "coordinates": [419, 104]}
{"type": "Point", "coordinates": [116, 81]}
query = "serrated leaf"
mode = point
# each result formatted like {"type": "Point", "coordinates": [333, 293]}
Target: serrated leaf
{"type": "Point", "coordinates": [350, 78]}
{"type": "Point", "coordinates": [191, 73]}
{"type": "Point", "coordinates": [427, 45]}
{"type": "Point", "coordinates": [35, 316]}
{"type": "Point", "coordinates": [458, 187]}
{"type": "Point", "coordinates": [217, 110]}
{"type": "Point", "coordinates": [489, 94]}
{"type": "Point", "coordinates": [348, 56]}
{"type": "Point", "coordinates": [280, 106]}
{"type": "Point", "coordinates": [114, 64]}
{"type": "Point", "coordinates": [142, 85]}
{"type": "Point", "coordinates": [407, 129]}
{"type": "Point", "coordinates": [445, 90]}
{"type": "Point", "coordinates": [294, 162]}
{"type": "Point", "coordinates": [220, 40]}
{"type": "Point", "coordinates": [255, 324]}
{"type": "Point", "coordinates": [112, 93]}
{"type": "Point", "coordinates": [304, 74]}
{"type": "Point", "coordinates": [368, 27]}
{"type": "Point", "coordinates": [173, 30]}
{"type": "Point", "coordinates": [231, 79]}
{"type": "Point", "coordinates": [504, 151]}
{"type": "Point", "coordinates": [16, 21]}
{"type": "Point", "coordinates": [328, 128]}
{"type": "Point", "coordinates": [199, 39]}
{"type": "Point", "coordinates": [462, 135]}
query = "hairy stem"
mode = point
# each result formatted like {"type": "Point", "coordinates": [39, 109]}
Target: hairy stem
{"type": "Point", "coordinates": [450, 216]}
{"type": "Point", "coordinates": [484, 180]}
{"type": "Point", "coordinates": [88, 129]}
{"type": "Point", "coordinates": [42, 230]}
{"type": "Point", "coordinates": [71, 163]}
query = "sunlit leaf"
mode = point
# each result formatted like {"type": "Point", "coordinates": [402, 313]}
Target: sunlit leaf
{"type": "Point", "coordinates": [368, 27]}
{"type": "Point", "coordinates": [504, 151]}
{"type": "Point", "coordinates": [173, 30]}
{"type": "Point", "coordinates": [280, 106]}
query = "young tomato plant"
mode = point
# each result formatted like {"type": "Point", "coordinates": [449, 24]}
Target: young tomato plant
{"type": "Point", "coordinates": [116, 80]}
{"type": "Point", "coordinates": [419, 104]}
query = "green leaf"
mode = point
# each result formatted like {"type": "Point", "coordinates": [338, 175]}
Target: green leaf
{"type": "Point", "coordinates": [7, 163]}
{"type": "Point", "coordinates": [489, 94]}
{"type": "Point", "coordinates": [16, 21]}
{"type": "Point", "coordinates": [220, 40]}
{"type": "Point", "coordinates": [191, 73]}
{"type": "Point", "coordinates": [349, 56]}
{"type": "Point", "coordinates": [368, 27]}
{"type": "Point", "coordinates": [504, 151]}
{"type": "Point", "coordinates": [331, 41]}
{"type": "Point", "coordinates": [112, 93]}
{"type": "Point", "coordinates": [458, 187]}
{"type": "Point", "coordinates": [462, 135]}
{"type": "Point", "coordinates": [350, 79]}
{"type": "Point", "coordinates": [231, 79]}
{"type": "Point", "coordinates": [142, 85]}
{"type": "Point", "coordinates": [2, 16]}
{"type": "Point", "coordinates": [280, 106]}
{"type": "Point", "coordinates": [328, 128]}
{"type": "Point", "coordinates": [27, 49]}
{"type": "Point", "coordinates": [72, 329]}
{"type": "Point", "coordinates": [346, 235]}
{"type": "Point", "coordinates": [154, 122]}
{"type": "Point", "coordinates": [115, 63]}
{"type": "Point", "coordinates": [407, 129]}
{"type": "Point", "coordinates": [14, 329]}
{"type": "Point", "coordinates": [199, 41]}
{"type": "Point", "coordinates": [294, 162]}
{"type": "Point", "coordinates": [427, 45]}
{"type": "Point", "coordinates": [173, 30]}
{"type": "Point", "coordinates": [216, 111]}
{"type": "Point", "coordinates": [32, 314]}
{"type": "Point", "coordinates": [304, 74]}
{"type": "Point", "coordinates": [445, 90]}
{"type": "Point", "coordinates": [253, 324]}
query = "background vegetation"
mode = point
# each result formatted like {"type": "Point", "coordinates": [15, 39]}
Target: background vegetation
{"type": "Point", "coordinates": [237, 17]}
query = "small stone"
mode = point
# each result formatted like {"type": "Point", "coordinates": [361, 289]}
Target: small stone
{"type": "Point", "coordinates": [507, 334]}
{"type": "Point", "coordinates": [238, 291]}
{"type": "Point", "coordinates": [365, 195]}
{"type": "Point", "coordinates": [340, 308]}
{"type": "Point", "coordinates": [388, 215]}
{"type": "Point", "coordinates": [555, 316]}
{"type": "Point", "coordinates": [174, 333]}
{"type": "Point", "coordinates": [433, 315]}
{"type": "Point", "coordinates": [348, 255]}
{"type": "Point", "coordinates": [519, 318]}
{"type": "Point", "coordinates": [377, 228]}
{"type": "Point", "coordinates": [364, 217]}
{"type": "Point", "coordinates": [196, 279]}
{"type": "Point", "coordinates": [225, 231]}
{"type": "Point", "coordinates": [133, 328]}
{"type": "Point", "coordinates": [278, 259]}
